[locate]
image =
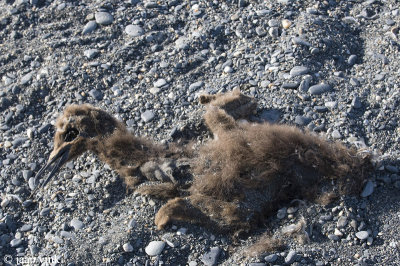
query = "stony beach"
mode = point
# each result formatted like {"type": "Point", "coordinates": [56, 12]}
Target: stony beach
{"type": "Point", "coordinates": [331, 67]}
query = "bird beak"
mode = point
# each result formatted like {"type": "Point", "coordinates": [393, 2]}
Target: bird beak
{"type": "Point", "coordinates": [56, 160]}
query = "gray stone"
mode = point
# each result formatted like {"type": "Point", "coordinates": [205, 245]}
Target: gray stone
{"type": "Point", "coordinates": [134, 30]}
{"type": "Point", "coordinates": [302, 120]}
{"type": "Point", "coordinates": [182, 43]}
{"type": "Point", "coordinates": [271, 116]}
{"type": "Point", "coordinates": [331, 104]}
{"type": "Point", "coordinates": [32, 183]}
{"type": "Point", "coordinates": [91, 53]}
{"type": "Point", "coordinates": [18, 141]}
{"type": "Point", "coordinates": [15, 243]}
{"type": "Point", "coordinates": [66, 234]}
{"type": "Point", "coordinates": [271, 258]}
{"type": "Point", "coordinates": [45, 211]}
{"type": "Point", "coordinates": [273, 32]}
{"type": "Point", "coordinates": [336, 134]}
{"type": "Point", "coordinates": [392, 169]}
{"type": "Point", "coordinates": [210, 258]}
{"type": "Point", "coordinates": [160, 83]}
{"type": "Point", "coordinates": [96, 94]}
{"type": "Point", "coordinates": [356, 102]}
{"type": "Point", "coordinates": [299, 71]}
{"type": "Point", "coordinates": [281, 213]}
{"type": "Point", "coordinates": [147, 116]}
{"type": "Point", "coordinates": [58, 240]}
{"type": "Point", "coordinates": [342, 222]}
{"type": "Point", "coordinates": [26, 78]}
{"type": "Point", "coordinates": [300, 41]}
{"type": "Point", "coordinates": [104, 18]}
{"type": "Point", "coordinates": [195, 86]}
{"type": "Point", "coordinates": [26, 228]}
{"type": "Point", "coordinates": [291, 257]}
{"type": "Point", "coordinates": [290, 85]}
{"type": "Point", "coordinates": [333, 237]}
{"type": "Point", "coordinates": [261, 31]}
{"type": "Point", "coordinates": [368, 189]}
{"type": "Point", "coordinates": [89, 27]}
{"type": "Point", "coordinates": [352, 59]}
{"type": "Point", "coordinates": [155, 248]}
{"type": "Point", "coordinates": [127, 247]}
{"type": "Point", "coordinates": [132, 223]}
{"type": "Point", "coordinates": [362, 235]}
{"type": "Point", "coordinates": [304, 85]}
{"type": "Point", "coordinates": [319, 89]}
{"type": "Point", "coordinates": [26, 174]}
{"type": "Point", "coordinates": [77, 224]}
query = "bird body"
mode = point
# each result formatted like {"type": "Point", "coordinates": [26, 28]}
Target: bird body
{"type": "Point", "coordinates": [236, 178]}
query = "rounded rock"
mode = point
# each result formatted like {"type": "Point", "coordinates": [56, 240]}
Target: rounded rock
{"type": "Point", "coordinates": [127, 247]}
{"type": "Point", "coordinates": [89, 27]}
{"type": "Point", "coordinates": [368, 189]}
{"type": "Point", "coordinates": [104, 18]}
{"type": "Point", "coordinates": [299, 71]}
{"type": "Point", "coordinates": [362, 235]}
{"type": "Point", "coordinates": [77, 224]}
{"type": "Point", "coordinates": [319, 89]}
{"type": "Point", "coordinates": [134, 30]}
{"type": "Point", "coordinates": [155, 248]}
{"type": "Point", "coordinates": [271, 258]}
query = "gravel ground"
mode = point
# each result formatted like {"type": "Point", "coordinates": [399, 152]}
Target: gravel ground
{"type": "Point", "coordinates": [329, 66]}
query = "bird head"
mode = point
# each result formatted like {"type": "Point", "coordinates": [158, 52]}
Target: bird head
{"type": "Point", "coordinates": [77, 129]}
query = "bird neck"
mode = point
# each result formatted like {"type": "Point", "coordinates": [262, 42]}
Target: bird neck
{"type": "Point", "coordinates": [122, 149]}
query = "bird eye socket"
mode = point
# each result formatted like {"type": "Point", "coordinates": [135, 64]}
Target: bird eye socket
{"type": "Point", "coordinates": [71, 134]}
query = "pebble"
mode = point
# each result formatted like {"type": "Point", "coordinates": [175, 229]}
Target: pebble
{"type": "Point", "coordinates": [356, 102]}
{"type": "Point", "coordinates": [352, 59]}
{"type": "Point", "coordinates": [302, 120]}
{"type": "Point", "coordinates": [26, 78]}
{"type": "Point", "coordinates": [45, 212]}
{"type": "Point", "coordinates": [333, 237]}
{"type": "Point", "coordinates": [26, 228]}
{"type": "Point", "coordinates": [155, 248]}
{"type": "Point", "coordinates": [147, 116]}
{"type": "Point", "coordinates": [299, 71]}
{"type": "Point", "coordinates": [342, 222]}
{"type": "Point", "coordinates": [281, 213]}
{"type": "Point", "coordinates": [195, 86]}
{"type": "Point", "coordinates": [362, 235]}
{"type": "Point", "coordinates": [127, 247]}
{"type": "Point", "coordinates": [368, 189]}
{"type": "Point", "coordinates": [300, 41]}
{"type": "Point", "coordinates": [104, 18]}
{"type": "Point", "coordinates": [32, 183]}
{"type": "Point", "coordinates": [134, 30]}
{"type": "Point", "coordinates": [319, 89]}
{"type": "Point", "coordinates": [182, 43]}
{"type": "Point", "coordinates": [392, 169]}
{"type": "Point", "coordinates": [160, 83]}
{"type": "Point", "coordinates": [286, 23]}
{"type": "Point", "coordinates": [15, 243]}
{"type": "Point", "coordinates": [96, 94]}
{"type": "Point", "coordinates": [290, 85]}
{"type": "Point", "coordinates": [91, 53]}
{"type": "Point", "coordinates": [89, 27]}
{"type": "Point", "coordinates": [271, 258]}
{"type": "Point", "coordinates": [336, 134]}
{"type": "Point", "coordinates": [76, 224]}
{"type": "Point", "coordinates": [211, 258]}
{"type": "Point", "coordinates": [291, 257]}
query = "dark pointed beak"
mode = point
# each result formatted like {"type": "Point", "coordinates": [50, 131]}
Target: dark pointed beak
{"type": "Point", "coordinates": [56, 160]}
